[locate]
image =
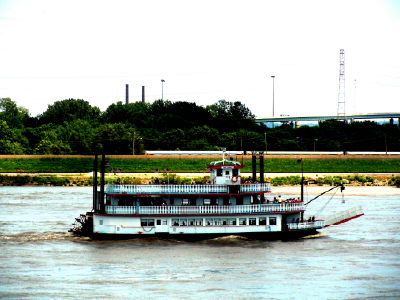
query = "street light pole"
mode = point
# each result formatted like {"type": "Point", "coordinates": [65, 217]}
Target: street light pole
{"type": "Point", "coordinates": [273, 99]}
{"type": "Point", "coordinates": [162, 89]}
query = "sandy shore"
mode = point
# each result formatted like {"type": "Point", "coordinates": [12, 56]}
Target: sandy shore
{"type": "Point", "coordinates": [276, 190]}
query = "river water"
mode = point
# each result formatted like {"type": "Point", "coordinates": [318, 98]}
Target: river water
{"type": "Point", "coordinates": [41, 260]}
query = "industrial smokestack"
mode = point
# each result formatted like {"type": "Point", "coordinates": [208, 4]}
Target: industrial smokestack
{"type": "Point", "coordinates": [143, 93]}
{"type": "Point", "coordinates": [127, 94]}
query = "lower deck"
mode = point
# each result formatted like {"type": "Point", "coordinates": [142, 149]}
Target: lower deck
{"type": "Point", "coordinates": [200, 225]}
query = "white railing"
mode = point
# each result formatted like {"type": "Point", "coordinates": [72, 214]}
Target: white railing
{"type": "Point", "coordinates": [183, 189]}
{"type": "Point", "coordinates": [258, 187]}
{"type": "Point", "coordinates": [344, 216]}
{"type": "Point", "coordinates": [306, 225]}
{"type": "Point", "coordinates": [205, 209]}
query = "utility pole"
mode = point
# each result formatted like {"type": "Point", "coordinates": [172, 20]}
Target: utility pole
{"type": "Point", "coordinates": [162, 89]}
{"type": "Point", "coordinates": [273, 99]}
{"type": "Point", "coordinates": [133, 144]}
{"type": "Point", "coordinates": [385, 144]}
{"type": "Point", "coordinates": [266, 149]}
{"type": "Point", "coordinates": [127, 94]}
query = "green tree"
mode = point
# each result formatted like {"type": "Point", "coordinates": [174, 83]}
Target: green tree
{"type": "Point", "coordinates": [230, 116]}
{"type": "Point", "coordinates": [69, 110]}
{"type": "Point", "coordinates": [12, 114]}
{"type": "Point", "coordinates": [115, 139]}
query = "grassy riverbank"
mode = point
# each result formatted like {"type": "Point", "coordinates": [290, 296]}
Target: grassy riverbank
{"type": "Point", "coordinates": [142, 164]}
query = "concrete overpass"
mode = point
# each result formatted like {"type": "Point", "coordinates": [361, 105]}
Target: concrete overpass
{"type": "Point", "coordinates": [296, 119]}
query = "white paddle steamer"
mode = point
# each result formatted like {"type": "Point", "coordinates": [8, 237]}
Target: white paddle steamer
{"type": "Point", "coordinates": [225, 206]}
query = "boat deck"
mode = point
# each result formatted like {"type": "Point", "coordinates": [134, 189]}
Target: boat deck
{"type": "Point", "coordinates": [205, 209]}
{"type": "Point", "coordinates": [160, 189]}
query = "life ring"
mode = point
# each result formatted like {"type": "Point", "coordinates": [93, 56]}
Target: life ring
{"type": "Point", "coordinates": [234, 178]}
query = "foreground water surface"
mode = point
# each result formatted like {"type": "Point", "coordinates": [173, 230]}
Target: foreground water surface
{"type": "Point", "coordinates": [41, 260]}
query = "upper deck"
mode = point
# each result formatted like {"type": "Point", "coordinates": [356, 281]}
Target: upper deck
{"type": "Point", "coordinates": [177, 189]}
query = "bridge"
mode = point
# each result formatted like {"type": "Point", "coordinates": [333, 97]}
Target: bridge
{"type": "Point", "coordinates": [350, 117]}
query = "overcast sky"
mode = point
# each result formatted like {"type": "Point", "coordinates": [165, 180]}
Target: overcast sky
{"type": "Point", "coordinates": [205, 51]}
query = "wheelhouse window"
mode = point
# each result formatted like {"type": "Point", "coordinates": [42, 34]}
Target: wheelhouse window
{"type": "Point", "coordinates": [272, 220]}
{"type": "Point", "coordinates": [219, 172]}
{"type": "Point", "coordinates": [262, 221]}
{"type": "Point", "coordinates": [227, 173]}
{"type": "Point", "coordinates": [235, 172]}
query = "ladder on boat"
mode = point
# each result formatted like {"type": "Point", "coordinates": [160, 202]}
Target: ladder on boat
{"type": "Point", "coordinates": [344, 216]}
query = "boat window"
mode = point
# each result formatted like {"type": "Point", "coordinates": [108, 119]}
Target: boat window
{"type": "Point", "coordinates": [164, 222]}
{"type": "Point", "coordinates": [232, 221]}
{"type": "Point", "coordinates": [175, 222]}
{"type": "Point", "coordinates": [224, 222]}
{"type": "Point", "coordinates": [150, 222]}
{"type": "Point", "coordinates": [191, 222]}
{"type": "Point", "coordinates": [252, 221]}
{"type": "Point", "coordinates": [272, 220]}
{"type": "Point", "coordinates": [209, 222]}
{"type": "Point", "coordinates": [183, 222]}
{"type": "Point", "coordinates": [199, 222]}
{"type": "Point", "coordinates": [262, 221]}
{"type": "Point", "coordinates": [217, 222]}
{"type": "Point", "coordinates": [235, 172]}
{"type": "Point", "coordinates": [185, 201]}
{"type": "Point", "coordinates": [242, 221]}
{"type": "Point", "coordinates": [143, 222]}
{"type": "Point", "coordinates": [219, 172]}
{"type": "Point", "coordinates": [101, 222]}
{"type": "Point", "coordinates": [158, 222]}
{"type": "Point", "coordinates": [207, 201]}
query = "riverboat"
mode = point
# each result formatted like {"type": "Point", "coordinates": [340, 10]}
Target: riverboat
{"type": "Point", "coordinates": [225, 206]}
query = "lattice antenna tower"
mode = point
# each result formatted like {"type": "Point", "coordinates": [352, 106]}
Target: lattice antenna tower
{"type": "Point", "coordinates": [341, 113]}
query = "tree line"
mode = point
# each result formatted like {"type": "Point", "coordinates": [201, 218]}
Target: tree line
{"type": "Point", "coordinates": [73, 126]}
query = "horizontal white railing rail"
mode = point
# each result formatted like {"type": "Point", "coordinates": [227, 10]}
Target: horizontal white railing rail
{"type": "Point", "coordinates": [205, 209]}
{"type": "Point", "coordinates": [306, 225]}
{"type": "Point", "coordinates": [344, 215]}
{"type": "Point", "coordinates": [152, 189]}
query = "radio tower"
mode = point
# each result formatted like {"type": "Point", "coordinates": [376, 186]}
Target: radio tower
{"type": "Point", "coordinates": [341, 113]}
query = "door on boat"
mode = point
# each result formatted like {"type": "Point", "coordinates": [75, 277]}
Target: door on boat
{"type": "Point", "coordinates": [161, 225]}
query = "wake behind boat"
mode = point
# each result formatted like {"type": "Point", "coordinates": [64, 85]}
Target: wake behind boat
{"type": "Point", "coordinates": [224, 207]}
